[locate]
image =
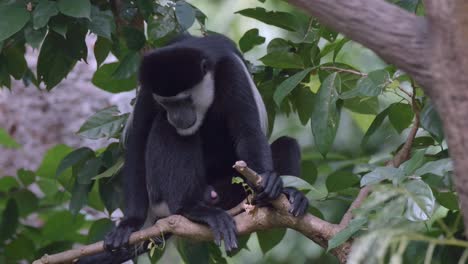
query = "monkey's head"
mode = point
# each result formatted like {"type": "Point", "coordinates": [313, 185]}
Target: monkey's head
{"type": "Point", "coordinates": [181, 81]}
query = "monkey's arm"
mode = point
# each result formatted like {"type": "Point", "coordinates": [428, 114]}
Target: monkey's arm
{"type": "Point", "coordinates": [244, 125]}
{"type": "Point", "coordinates": [136, 196]}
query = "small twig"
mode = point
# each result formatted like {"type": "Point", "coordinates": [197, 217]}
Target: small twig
{"type": "Point", "coordinates": [237, 209]}
{"type": "Point", "coordinates": [402, 155]}
{"type": "Point", "coordinates": [343, 70]}
{"type": "Point", "coordinates": [362, 195]}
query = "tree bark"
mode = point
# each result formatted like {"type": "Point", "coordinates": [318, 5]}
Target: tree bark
{"type": "Point", "coordinates": [449, 36]}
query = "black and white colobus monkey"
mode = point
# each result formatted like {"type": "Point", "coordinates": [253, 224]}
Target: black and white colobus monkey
{"type": "Point", "coordinates": [197, 112]}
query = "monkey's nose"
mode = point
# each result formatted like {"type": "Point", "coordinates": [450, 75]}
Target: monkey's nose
{"type": "Point", "coordinates": [182, 119]}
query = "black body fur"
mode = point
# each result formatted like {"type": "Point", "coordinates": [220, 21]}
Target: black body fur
{"type": "Point", "coordinates": [163, 166]}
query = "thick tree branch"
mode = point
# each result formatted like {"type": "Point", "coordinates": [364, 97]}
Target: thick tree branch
{"type": "Point", "coordinates": [448, 23]}
{"type": "Point", "coordinates": [399, 37]}
{"type": "Point", "coordinates": [262, 218]}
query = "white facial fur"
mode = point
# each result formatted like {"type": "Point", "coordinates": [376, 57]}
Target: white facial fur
{"type": "Point", "coordinates": [202, 97]}
{"type": "Point", "coordinates": [262, 113]}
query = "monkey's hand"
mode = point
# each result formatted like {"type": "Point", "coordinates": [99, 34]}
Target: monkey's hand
{"type": "Point", "coordinates": [299, 203]}
{"type": "Point", "coordinates": [220, 222]}
{"type": "Point", "coordinates": [119, 237]}
{"type": "Point", "coordinates": [270, 188]}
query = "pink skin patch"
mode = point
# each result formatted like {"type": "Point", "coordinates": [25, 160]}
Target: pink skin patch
{"type": "Point", "coordinates": [214, 195]}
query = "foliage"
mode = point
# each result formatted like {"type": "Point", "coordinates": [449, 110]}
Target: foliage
{"type": "Point", "coordinates": [412, 215]}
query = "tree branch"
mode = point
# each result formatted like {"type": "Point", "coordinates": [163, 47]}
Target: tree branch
{"type": "Point", "coordinates": [262, 218]}
{"type": "Point", "coordinates": [399, 37]}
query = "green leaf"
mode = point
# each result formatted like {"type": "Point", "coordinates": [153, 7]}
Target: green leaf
{"type": "Point", "coordinates": [439, 167]}
{"type": "Point", "coordinates": [416, 161]}
{"type": "Point", "coordinates": [309, 171]}
{"type": "Point", "coordinates": [370, 85]}
{"type": "Point", "coordinates": [185, 14]}
{"type": "Point", "coordinates": [270, 238]}
{"type": "Point", "coordinates": [340, 180]}
{"type": "Point", "coordinates": [354, 226]}
{"type": "Point", "coordinates": [288, 85]}
{"type": "Point", "coordinates": [103, 78]}
{"type": "Point", "coordinates": [54, 62]}
{"type": "Point", "coordinates": [379, 174]}
{"type": "Point", "coordinates": [5, 79]}
{"type": "Point", "coordinates": [26, 176]}
{"type": "Point", "coordinates": [43, 12]}
{"type": "Point", "coordinates": [250, 39]}
{"type": "Point", "coordinates": [104, 124]}
{"type": "Point", "coordinates": [409, 5]}
{"type": "Point", "coordinates": [21, 248]}
{"type": "Point", "coordinates": [79, 197]}
{"type": "Point", "coordinates": [279, 45]}
{"type": "Point", "coordinates": [52, 160]}
{"type": "Point", "coordinates": [134, 38]}
{"type": "Point", "coordinates": [431, 122]}
{"type": "Point", "coordinates": [14, 17]}
{"type": "Point", "coordinates": [326, 114]}
{"type": "Point", "coordinates": [282, 20]}
{"type": "Point", "coordinates": [29, 202]}
{"type": "Point", "coordinates": [161, 29]}
{"type": "Point", "coordinates": [296, 182]}
{"type": "Point", "coordinates": [78, 8]}
{"type": "Point", "coordinates": [10, 220]}
{"type": "Point", "coordinates": [8, 183]}
{"type": "Point", "coordinates": [421, 201]}
{"type": "Point", "coordinates": [363, 105]}
{"type": "Point", "coordinates": [6, 141]}
{"type": "Point", "coordinates": [59, 24]}
{"type": "Point", "coordinates": [303, 100]}
{"type": "Point", "coordinates": [282, 60]}
{"type": "Point", "coordinates": [193, 252]}
{"type": "Point", "coordinates": [112, 170]}
{"type": "Point", "coordinates": [111, 192]}
{"type": "Point", "coordinates": [448, 200]}
{"type": "Point", "coordinates": [62, 225]}
{"type": "Point", "coordinates": [16, 63]}
{"type": "Point", "coordinates": [400, 116]}
{"type": "Point", "coordinates": [34, 37]}
{"type": "Point", "coordinates": [102, 22]}
{"type": "Point", "coordinates": [73, 158]}
{"type": "Point", "coordinates": [89, 170]}
{"type": "Point", "coordinates": [374, 126]}
{"type": "Point", "coordinates": [99, 229]}
{"type": "Point", "coordinates": [102, 48]}
{"type": "Point", "coordinates": [128, 66]}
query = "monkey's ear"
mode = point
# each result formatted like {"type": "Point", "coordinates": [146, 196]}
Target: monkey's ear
{"type": "Point", "coordinates": [204, 66]}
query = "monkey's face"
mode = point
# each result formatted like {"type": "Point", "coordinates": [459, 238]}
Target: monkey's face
{"type": "Point", "coordinates": [181, 80]}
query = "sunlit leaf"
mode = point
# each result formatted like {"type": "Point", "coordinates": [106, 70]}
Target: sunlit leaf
{"type": "Point", "coordinates": [421, 201]}
{"type": "Point", "coordinates": [379, 174]}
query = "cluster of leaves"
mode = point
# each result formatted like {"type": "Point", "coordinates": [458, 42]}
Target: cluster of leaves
{"type": "Point", "coordinates": [304, 74]}
{"type": "Point", "coordinates": [59, 28]}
